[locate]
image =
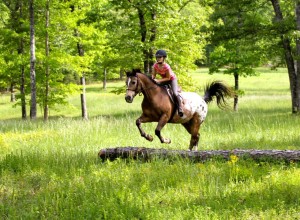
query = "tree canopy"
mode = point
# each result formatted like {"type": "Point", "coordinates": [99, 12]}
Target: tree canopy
{"type": "Point", "coordinates": [102, 38]}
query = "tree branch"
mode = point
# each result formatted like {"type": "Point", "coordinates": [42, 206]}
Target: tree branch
{"type": "Point", "coordinates": [184, 4]}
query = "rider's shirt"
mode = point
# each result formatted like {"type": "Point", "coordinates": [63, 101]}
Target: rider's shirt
{"type": "Point", "coordinates": [163, 70]}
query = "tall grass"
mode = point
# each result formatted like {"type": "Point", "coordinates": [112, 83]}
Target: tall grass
{"type": "Point", "coordinates": [51, 170]}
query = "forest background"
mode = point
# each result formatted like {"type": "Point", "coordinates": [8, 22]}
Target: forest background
{"type": "Point", "coordinates": [50, 48]}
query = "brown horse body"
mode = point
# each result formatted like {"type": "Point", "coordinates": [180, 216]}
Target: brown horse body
{"type": "Point", "coordinates": [157, 106]}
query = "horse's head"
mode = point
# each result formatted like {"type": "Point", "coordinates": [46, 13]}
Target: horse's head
{"type": "Point", "coordinates": [133, 85]}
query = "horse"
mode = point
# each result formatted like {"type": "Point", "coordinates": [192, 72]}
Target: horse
{"type": "Point", "coordinates": [157, 105]}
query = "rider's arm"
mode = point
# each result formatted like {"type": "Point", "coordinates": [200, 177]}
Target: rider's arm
{"type": "Point", "coordinates": [153, 74]}
{"type": "Point", "coordinates": [166, 78]}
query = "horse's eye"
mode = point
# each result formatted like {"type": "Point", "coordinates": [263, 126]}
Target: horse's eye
{"type": "Point", "coordinates": [133, 83]}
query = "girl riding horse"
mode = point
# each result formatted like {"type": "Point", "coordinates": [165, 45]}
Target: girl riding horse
{"type": "Point", "coordinates": [167, 76]}
{"type": "Point", "coordinates": [157, 106]}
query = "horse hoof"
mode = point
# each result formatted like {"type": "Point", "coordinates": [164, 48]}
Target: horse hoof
{"type": "Point", "coordinates": [167, 141]}
{"type": "Point", "coordinates": [193, 149]}
{"type": "Point", "coordinates": [149, 138]}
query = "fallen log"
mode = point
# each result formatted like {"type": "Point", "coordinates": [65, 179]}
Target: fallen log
{"type": "Point", "coordinates": [146, 154]}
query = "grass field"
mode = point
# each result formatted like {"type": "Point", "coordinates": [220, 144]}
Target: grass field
{"type": "Point", "coordinates": [51, 170]}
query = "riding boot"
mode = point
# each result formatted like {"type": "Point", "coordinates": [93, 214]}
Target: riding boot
{"type": "Point", "coordinates": [180, 111]}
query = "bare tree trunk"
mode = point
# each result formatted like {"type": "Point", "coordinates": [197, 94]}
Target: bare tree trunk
{"type": "Point", "coordinates": [121, 73]}
{"type": "Point", "coordinates": [12, 93]}
{"type": "Point", "coordinates": [143, 31]}
{"type": "Point", "coordinates": [82, 81]}
{"type": "Point", "coordinates": [104, 78]}
{"type": "Point", "coordinates": [22, 90]}
{"type": "Point", "coordinates": [236, 88]}
{"type": "Point", "coordinates": [147, 52]}
{"type": "Point", "coordinates": [33, 108]}
{"type": "Point", "coordinates": [83, 100]}
{"type": "Point", "coordinates": [289, 60]}
{"type": "Point", "coordinates": [152, 39]}
{"type": "Point", "coordinates": [197, 156]}
{"type": "Point", "coordinates": [46, 101]}
{"type": "Point", "coordinates": [17, 25]}
{"type": "Point", "coordinates": [22, 69]}
{"type": "Point", "coordinates": [298, 52]}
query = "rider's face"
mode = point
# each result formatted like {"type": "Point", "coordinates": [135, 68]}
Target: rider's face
{"type": "Point", "coordinates": [159, 59]}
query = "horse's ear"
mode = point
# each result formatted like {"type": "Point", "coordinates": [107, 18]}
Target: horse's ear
{"type": "Point", "coordinates": [137, 70]}
{"type": "Point", "coordinates": [130, 73]}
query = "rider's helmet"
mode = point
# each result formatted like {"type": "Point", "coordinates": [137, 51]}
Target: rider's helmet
{"type": "Point", "coordinates": [161, 53]}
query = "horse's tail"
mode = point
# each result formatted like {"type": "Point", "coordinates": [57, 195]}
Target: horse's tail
{"type": "Point", "coordinates": [219, 90]}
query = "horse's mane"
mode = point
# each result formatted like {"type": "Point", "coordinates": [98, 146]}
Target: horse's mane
{"type": "Point", "coordinates": [134, 72]}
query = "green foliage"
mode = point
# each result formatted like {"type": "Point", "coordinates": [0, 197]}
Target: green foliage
{"type": "Point", "coordinates": [236, 57]}
{"type": "Point", "coordinates": [63, 62]}
{"type": "Point", "coordinates": [236, 37]}
{"type": "Point", "coordinates": [173, 27]}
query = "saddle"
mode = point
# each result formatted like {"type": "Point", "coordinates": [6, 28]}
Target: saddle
{"type": "Point", "coordinates": [168, 88]}
{"type": "Point", "coordinates": [170, 92]}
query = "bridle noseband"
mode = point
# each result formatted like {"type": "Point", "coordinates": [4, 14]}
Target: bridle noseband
{"type": "Point", "coordinates": [136, 90]}
{"type": "Point", "coordinates": [136, 87]}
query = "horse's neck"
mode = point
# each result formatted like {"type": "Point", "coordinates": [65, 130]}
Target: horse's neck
{"type": "Point", "coordinates": [149, 88]}
{"type": "Point", "coordinates": [146, 81]}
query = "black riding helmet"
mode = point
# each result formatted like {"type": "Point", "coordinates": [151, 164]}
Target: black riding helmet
{"type": "Point", "coordinates": [161, 53]}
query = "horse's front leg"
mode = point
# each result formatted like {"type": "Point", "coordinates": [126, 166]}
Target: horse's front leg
{"type": "Point", "coordinates": [138, 123]}
{"type": "Point", "coordinates": [161, 123]}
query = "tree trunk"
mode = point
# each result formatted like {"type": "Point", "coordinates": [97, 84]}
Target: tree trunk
{"type": "Point", "coordinates": [33, 109]}
{"type": "Point", "coordinates": [236, 88]}
{"type": "Point", "coordinates": [198, 156]}
{"type": "Point", "coordinates": [289, 60]}
{"type": "Point", "coordinates": [104, 78]}
{"type": "Point", "coordinates": [83, 100]}
{"type": "Point", "coordinates": [298, 52]}
{"type": "Point", "coordinates": [152, 39]}
{"type": "Point", "coordinates": [147, 52]}
{"type": "Point", "coordinates": [121, 73]}
{"type": "Point", "coordinates": [143, 31]}
{"type": "Point", "coordinates": [22, 90]}
{"type": "Point", "coordinates": [46, 101]}
{"type": "Point", "coordinates": [82, 81]}
{"type": "Point", "coordinates": [22, 68]}
{"type": "Point", "coordinates": [12, 93]}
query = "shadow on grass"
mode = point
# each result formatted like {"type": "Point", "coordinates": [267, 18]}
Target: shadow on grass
{"type": "Point", "coordinates": [131, 113]}
{"type": "Point", "coordinates": [62, 162]}
{"type": "Point", "coordinates": [100, 90]}
{"type": "Point", "coordinates": [268, 115]}
{"type": "Point", "coordinates": [260, 144]}
{"type": "Point", "coordinates": [278, 196]}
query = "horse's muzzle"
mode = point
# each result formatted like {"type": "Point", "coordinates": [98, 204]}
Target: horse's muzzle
{"type": "Point", "coordinates": [129, 99]}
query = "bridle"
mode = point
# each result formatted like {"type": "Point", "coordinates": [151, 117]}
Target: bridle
{"type": "Point", "coordinates": [136, 87]}
{"type": "Point", "coordinates": [140, 91]}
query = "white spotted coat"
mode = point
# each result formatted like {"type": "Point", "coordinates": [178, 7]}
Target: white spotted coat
{"type": "Point", "coordinates": [193, 104]}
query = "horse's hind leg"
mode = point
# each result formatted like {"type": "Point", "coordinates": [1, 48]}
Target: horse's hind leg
{"type": "Point", "coordinates": [193, 127]}
{"type": "Point", "coordinates": [194, 142]}
{"type": "Point", "coordinates": [138, 123]}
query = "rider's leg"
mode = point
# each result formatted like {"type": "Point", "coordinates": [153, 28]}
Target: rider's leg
{"type": "Point", "coordinates": [174, 86]}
